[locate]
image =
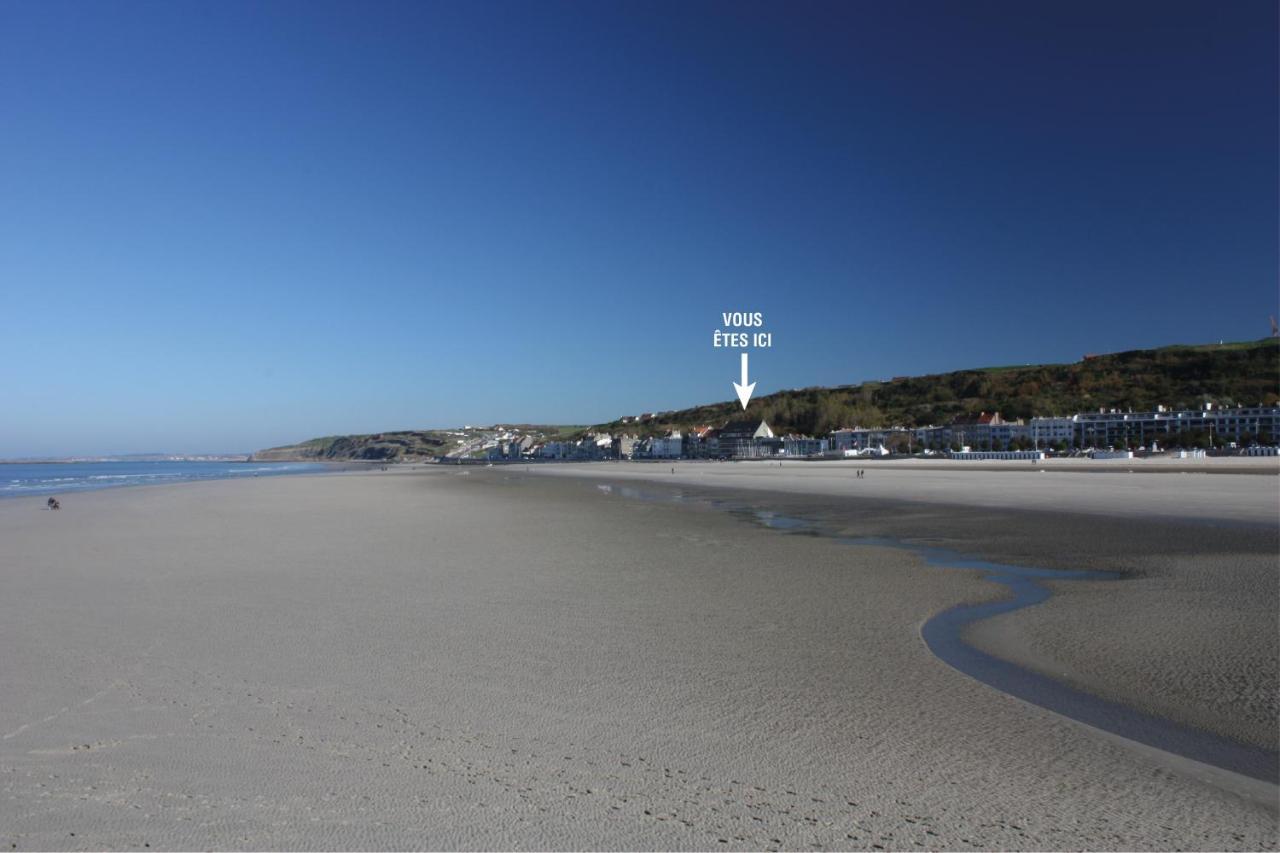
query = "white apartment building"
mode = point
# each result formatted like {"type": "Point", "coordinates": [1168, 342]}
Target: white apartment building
{"type": "Point", "coordinates": [1104, 429]}
{"type": "Point", "coordinates": [1051, 431]}
{"type": "Point", "coordinates": [668, 447]}
{"type": "Point", "coordinates": [1245, 424]}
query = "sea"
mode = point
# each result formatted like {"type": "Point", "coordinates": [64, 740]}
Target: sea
{"type": "Point", "coordinates": [22, 479]}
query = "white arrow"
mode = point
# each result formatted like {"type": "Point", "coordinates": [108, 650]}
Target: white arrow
{"type": "Point", "coordinates": [744, 390]}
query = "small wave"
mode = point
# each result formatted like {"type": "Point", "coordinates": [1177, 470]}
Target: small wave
{"type": "Point", "coordinates": [132, 476]}
{"type": "Point", "coordinates": [147, 474]}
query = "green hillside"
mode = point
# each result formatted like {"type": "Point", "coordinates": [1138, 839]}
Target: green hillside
{"type": "Point", "coordinates": [1246, 373]}
{"type": "Point", "coordinates": [386, 446]}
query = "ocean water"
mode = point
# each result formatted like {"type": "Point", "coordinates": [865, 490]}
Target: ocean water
{"type": "Point", "coordinates": [52, 478]}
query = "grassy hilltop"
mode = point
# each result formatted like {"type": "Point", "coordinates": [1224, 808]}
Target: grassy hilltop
{"type": "Point", "coordinates": [1246, 373]}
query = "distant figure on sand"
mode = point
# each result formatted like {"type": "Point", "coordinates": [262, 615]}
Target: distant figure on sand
{"type": "Point", "coordinates": [53, 504]}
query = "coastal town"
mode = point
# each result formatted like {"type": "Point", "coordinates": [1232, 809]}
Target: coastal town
{"type": "Point", "coordinates": [985, 435]}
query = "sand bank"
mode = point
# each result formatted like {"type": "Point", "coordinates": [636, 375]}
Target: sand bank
{"type": "Point", "coordinates": [483, 659]}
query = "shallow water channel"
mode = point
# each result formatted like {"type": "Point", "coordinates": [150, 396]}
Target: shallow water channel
{"type": "Point", "coordinates": [943, 633]}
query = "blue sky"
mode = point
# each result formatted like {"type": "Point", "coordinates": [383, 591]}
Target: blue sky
{"type": "Point", "coordinates": [225, 226]}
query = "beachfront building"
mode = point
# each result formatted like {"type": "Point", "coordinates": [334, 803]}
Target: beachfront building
{"type": "Point", "coordinates": [840, 440]}
{"type": "Point", "coordinates": [747, 440]}
{"type": "Point", "coordinates": [1108, 428]}
{"type": "Point", "coordinates": [874, 450]}
{"type": "Point", "coordinates": [1256, 422]}
{"type": "Point", "coordinates": [1243, 425]}
{"type": "Point", "coordinates": [555, 450]}
{"type": "Point", "coordinates": [983, 431]}
{"type": "Point", "coordinates": [670, 446]}
{"type": "Point", "coordinates": [595, 446]}
{"type": "Point", "coordinates": [702, 442]}
{"type": "Point", "coordinates": [929, 437]}
{"type": "Point", "coordinates": [640, 449]}
{"type": "Point", "coordinates": [857, 439]}
{"type": "Point", "coordinates": [1052, 432]}
{"type": "Point", "coordinates": [1007, 434]}
{"type": "Point", "coordinates": [1111, 428]}
{"type": "Point", "coordinates": [803, 445]}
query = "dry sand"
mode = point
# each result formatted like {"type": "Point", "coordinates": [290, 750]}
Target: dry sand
{"type": "Point", "coordinates": [482, 658]}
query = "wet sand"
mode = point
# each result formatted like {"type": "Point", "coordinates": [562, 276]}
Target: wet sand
{"type": "Point", "coordinates": [1160, 490]}
{"type": "Point", "coordinates": [1190, 634]}
{"type": "Point", "coordinates": [482, 658]}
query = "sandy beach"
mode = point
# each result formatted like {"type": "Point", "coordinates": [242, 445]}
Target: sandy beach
{"type": "Point", "coordinates": [494, 658]}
